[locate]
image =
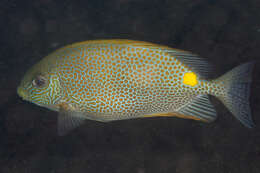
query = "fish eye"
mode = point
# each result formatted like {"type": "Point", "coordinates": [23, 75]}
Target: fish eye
{"type": "Point", "coordinates": [39, 81]}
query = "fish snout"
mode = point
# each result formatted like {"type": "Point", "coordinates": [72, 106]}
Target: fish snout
{"type": "Point", "coordinates": [21, 93]}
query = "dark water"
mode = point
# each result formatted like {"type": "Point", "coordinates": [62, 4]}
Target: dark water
{"type": "Point", "coordinates": [225, 32]}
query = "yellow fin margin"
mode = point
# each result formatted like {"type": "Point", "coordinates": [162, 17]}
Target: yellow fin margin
{"type": "Point", "coordinates": [172, 114]}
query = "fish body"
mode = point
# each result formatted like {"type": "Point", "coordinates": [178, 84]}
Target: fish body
{"type": "Point", "coordinates": [106, 80]}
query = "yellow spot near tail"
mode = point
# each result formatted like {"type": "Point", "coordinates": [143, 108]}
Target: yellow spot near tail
{"type": "Point", "coordinates": [190, 79]}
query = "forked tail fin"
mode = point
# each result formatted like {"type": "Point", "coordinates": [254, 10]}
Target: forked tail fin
{"type": "Point", "coordinates": [236, 98]}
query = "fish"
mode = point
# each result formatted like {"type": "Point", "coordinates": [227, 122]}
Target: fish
{"type": "Point", "coordinates": [119, 79]}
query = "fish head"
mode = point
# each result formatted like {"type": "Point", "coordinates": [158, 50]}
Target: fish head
{"type": "Point", "coordinates": [41, 87]}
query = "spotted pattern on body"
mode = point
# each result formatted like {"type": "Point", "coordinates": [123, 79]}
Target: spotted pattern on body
{"type": "Point", "coordinates": [124, 79]}
{"type": "Point", "coordinates": [108, 80]}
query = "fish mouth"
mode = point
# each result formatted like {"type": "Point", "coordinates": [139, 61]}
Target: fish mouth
{"type": "Point", "coordinates": [21, 93]}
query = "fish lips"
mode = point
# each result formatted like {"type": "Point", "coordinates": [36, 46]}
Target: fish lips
{"type": "Point", "coordinates": [22, 93]}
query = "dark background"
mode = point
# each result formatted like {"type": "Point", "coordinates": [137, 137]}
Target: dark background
{"type": "Point", "coordinates": [225, 32]}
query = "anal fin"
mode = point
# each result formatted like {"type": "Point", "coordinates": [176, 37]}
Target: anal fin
{"type": "Point", "coordinates": [173, 114]}
{"type": "Point", "coordinates": [201, 108]}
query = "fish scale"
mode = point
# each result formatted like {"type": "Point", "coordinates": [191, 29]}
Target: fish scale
{"type": "Point", "coordinates": [108, 80]}
{"type": "Point", "coordinates": [115, 78]}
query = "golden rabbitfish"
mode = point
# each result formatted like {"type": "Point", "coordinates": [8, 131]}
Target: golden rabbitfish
{"type": "Point", "coordinates": [107, 80]}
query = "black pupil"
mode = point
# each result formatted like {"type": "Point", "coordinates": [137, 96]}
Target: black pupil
{"type": "Point", "coordinates": [39, 81]}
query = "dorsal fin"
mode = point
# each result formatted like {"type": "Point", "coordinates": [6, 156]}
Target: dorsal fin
{"type": "Point", "coordinates": [193, 61]}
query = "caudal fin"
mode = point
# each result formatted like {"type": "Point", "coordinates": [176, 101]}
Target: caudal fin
{"type": "Point", "coordinates": [237, 83]}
